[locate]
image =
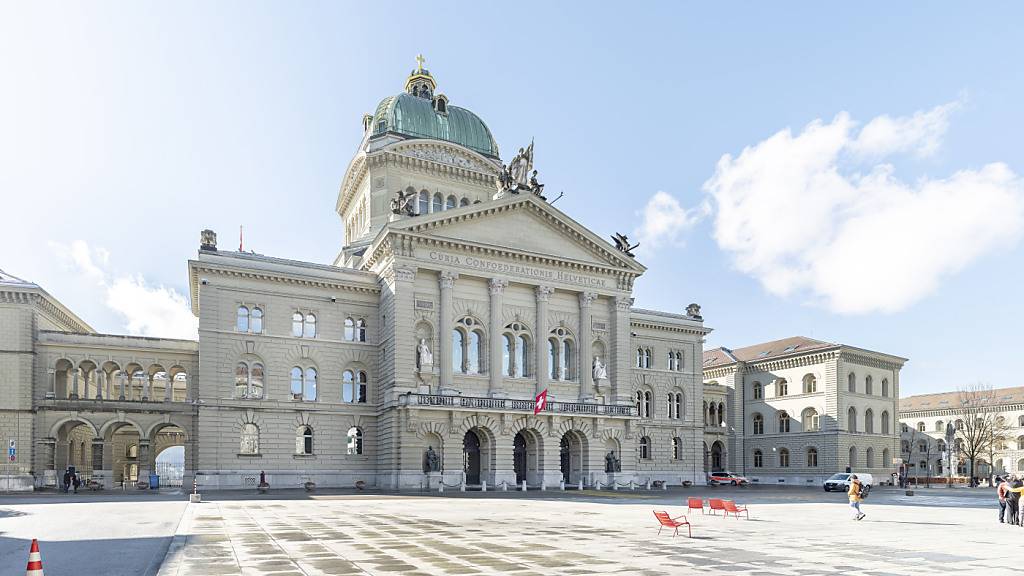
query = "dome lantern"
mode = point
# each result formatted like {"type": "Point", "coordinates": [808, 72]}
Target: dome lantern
{"type": "Point", "coordinates": [420, 83]}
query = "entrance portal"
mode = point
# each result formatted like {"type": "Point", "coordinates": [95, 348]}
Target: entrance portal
{"type": "Point", "coordinates": [572, 457]}
{"type": "Point", "coordinates": [716, 456]}
{"type": "Point", "coordinates": [471, 457]}
{"type": "Point", "coordinates": [519, 457]}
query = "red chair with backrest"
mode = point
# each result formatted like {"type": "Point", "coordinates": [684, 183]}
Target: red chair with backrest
{"type": "Point", "coordinates": [667, 521]}
{"type": "Point", "coordinates": [731, 506]}
{"type": "Point", "coordinates": [695, 504]}
{"type": "Point", "coordinates": [715, 504]}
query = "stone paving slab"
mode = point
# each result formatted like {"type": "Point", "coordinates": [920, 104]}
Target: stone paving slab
{"type": "Point", "coordinates": [584, 535]}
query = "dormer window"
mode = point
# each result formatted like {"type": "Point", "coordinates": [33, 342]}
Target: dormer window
{"type": "Point", "coordinates": [441, 104]}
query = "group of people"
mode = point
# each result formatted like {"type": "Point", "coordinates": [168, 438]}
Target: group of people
{"type": "Point", "coordinates": [71, 480]}
{"type": "Point", "coordinates": [1009, 490]}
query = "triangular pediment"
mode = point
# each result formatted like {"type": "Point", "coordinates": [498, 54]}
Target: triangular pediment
{"type": "Point", "coordinates": [521, 223]}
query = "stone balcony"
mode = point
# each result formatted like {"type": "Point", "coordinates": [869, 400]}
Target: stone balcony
{"type": "Point", "coordinates": [479, 404]}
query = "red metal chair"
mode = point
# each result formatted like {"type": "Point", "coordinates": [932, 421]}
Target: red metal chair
{"type": "Point", "coordinates": [715, 504]}
{"type": "Point", "coordinates": [667, 521]}
{"type": "Point", "coordinates": [731, 506]}
{"type": "Point", "coordinates": [695, 504]}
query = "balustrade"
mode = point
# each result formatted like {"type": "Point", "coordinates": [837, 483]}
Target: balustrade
{"type": "Point", "coordinates": [514, 405]}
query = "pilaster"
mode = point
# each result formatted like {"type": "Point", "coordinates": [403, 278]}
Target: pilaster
{"type": "Point", "coordinates": [585, 355]}
{"type": "Point", "coordinates": [541, 348]}
{"type": "Point", "coordinates": [446, 281]}
{"type": "Point", "coordinates": [495, 340]}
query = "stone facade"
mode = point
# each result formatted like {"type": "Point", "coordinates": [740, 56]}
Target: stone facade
{"type": "Point", "coordinates": [800, 410]}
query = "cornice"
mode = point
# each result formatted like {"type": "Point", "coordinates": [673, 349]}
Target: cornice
{"type": "Point", "coordinates": [931, 412]}
{"type": "Point", "coordinates": [33, 297]}
{"type": "Point", "coordinates": [870, 361]}
{"type": "Point", "coordinates": [200, 267]}
{"type": "Point", "coordinates": [669, 327]}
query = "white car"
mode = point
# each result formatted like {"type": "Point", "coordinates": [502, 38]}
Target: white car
{"type": "Point", "coordinates": [841, 482]}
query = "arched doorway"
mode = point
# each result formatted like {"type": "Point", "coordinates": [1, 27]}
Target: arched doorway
{"type": "Point", "coordinates": [169, 460]}
{"type": "Point", "coordinates": [572, 457]}
{"type": "Point", "coordinates": [717, 451]}
{"type": "Point", "coordinates": [471, 457]}
{"type": "Point", "coordinates": [519, 457]}
{"type": "Point", "coordinates": [526, 456]}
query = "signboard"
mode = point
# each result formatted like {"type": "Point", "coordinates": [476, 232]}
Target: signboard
{"type": "Point", "coordinates": [12, 450]}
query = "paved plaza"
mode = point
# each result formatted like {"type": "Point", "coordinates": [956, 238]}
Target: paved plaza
{"type": "Point", "coordinates": [791, 532]}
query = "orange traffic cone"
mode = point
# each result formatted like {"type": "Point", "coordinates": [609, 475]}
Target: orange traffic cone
{"type": "Point", "coordinates": [35, 561]}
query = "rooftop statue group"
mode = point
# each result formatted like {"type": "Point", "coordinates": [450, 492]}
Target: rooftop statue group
{"type": "Point", "coordinates": [519, 176]}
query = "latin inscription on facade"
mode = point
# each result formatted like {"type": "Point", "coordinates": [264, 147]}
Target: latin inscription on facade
{"type": "Point", "coordinates": [506, 268]}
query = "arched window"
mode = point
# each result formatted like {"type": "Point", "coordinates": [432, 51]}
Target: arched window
{"type": "Point", "coordinates": [885, 387]}
{"type": "Point", "coordinates": [297, 325]}
{"type": "Point", "coordinates": [639, 401]}
{"type": "Point", "coordinates": [250, 439]}
{"type": "Point", "coordinates": [671, 360]}
{"type": "Point", "coordinates": [304, 440]}
{"type": "Point", "coordinates": [309, 385]}
{"type": "Point", "coordinates": [869, 458]}
{"type": "Point", "coordinates": [712, 418]}
{"type": "Point", "coordinates": [1020, 421]}
{"type": "Point", "coordinates": [561, 347]}
{"type": "Point", "coordinates": [853, 457]}
{"type": "Point", "coordinates": [721, 414]}
{"type": "Point", "coordinates": [851, 382]}
{"type": "Point", "coordinates": [758, 424]}
{"type": "Point", "coordinates": [783, 422]}
{"type": "Point", "coordinates": [467, 346]}
{"type": "Point", "coordinates": [810, 384]}
{"type": "Point", "coordinates": [515, 351]}
{"type": "Point", "coordinates": [959, 425]}
{"type": "Point", "coordinates": [309, 330]}
{"type": "Point", "coordinates": [1020, 465]}
{"type": "Point", "coordinates": [810, 419]}
{"type": "Point", "coordinates": [1020, 443]}
{"type": "Point", "coordinates": [940, 426]}
{"type": "Point", "coordinates": [869, 421]}
{"type": "Point", "coordinates": [758, 459]}
{"type": "Point", "coordinates": [438, 202]}
{"type": "Point", "coordinates": [643, 403]}
{"type": "Point", "coordinates": [303, 384]}
{"type": "Point", "coordinates": [679, 360]}
{"type": "Point", "coordinates": [677, 449]}
{"type": "Point", "coordinates": [242, 325]}
{"type": "Point", "coordinates": [781, 387]}
{"type": "Point", "coordinates": [885, 422]}
{"type": "Point", "coordinates": [784, 458]}
{"type": "Point", "coordinates": [296, 383]}
{"type": "Point", "coordinates": [424, 202]}
{"type": "Point", "coordinates": [886, 460]}
{"type": "Point", "coordinates": [355, 441]}
{"type": "Point", "coordinates": [360, 330]}
{"type": "Point", "coordinates": [647, 404]}
{"type": "Point", "coordinates": [464, 202]}
{"type": "Point", "coordinates": [941, 444]}
{"type": "Point", "coordinates": [639, 357]}
{"type": "Point", "coordinates": [905, 446]}
{"type": "Point", "coordinates": [256, 326]}
{"type": "Point", "coordinates": [241, 380]}
{"type": "Point", "coordinates": [851, 419]}
{"type": "Point", "coordinates": [350, 329]}
{"type": "Point", "coordinates": [353, 386]}
{"type": "Point", "coordinates": [451, 203]}
{"type": "Point", "coordinates": [645, 448]}
{"type": "Point", "coordinates": [758, 391]}
{"type": "Point", "coordinates": [675, 405]}
{"type": "Point", "coordinates": [869, 387]}
{"type": "Point", "coordinates": [648, 358]}
{"type": "Point", "coordinates": [920, 426]}
{"type": "Point", "coordinates": [812, 457]}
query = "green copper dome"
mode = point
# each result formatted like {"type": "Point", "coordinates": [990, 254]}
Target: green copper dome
{"type": "Point", "coordinates": [416, 117]}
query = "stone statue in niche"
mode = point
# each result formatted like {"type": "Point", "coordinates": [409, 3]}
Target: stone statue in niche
{"type": "Point", "coordinates": [424, 356]}
{"type": "Point", "coordinates": [600, 371]}
{"type": "Point", "coordinates": [431, 461]}
{"type": "Point", "coordinates": [611, 462]}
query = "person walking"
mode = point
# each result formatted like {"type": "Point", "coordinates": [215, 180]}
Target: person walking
{"type": "Point", "coordinates": [854, 495]}
{"type": "Point", "coordinates": [75, 481]}
{"type": "Point", "coordinates": [1001, 490]}
{"type": "Point", "coordinates": [67, 480]}
{"type": "Point", "coordinates": [1013, 498]}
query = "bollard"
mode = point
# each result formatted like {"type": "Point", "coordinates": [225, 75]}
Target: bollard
{"type": "Point", "coordinates": [615, 486]}
{"type": "Point", "coordinates": [580, 487]}
{"type": "Point", "coordinates": [542, 486]}
{"type": "Point", "coordinates": [483, 486]}
{"type": "Point", "coordinates": [440, 486]}
{"type": "Point", "coordinates": [648, 483]}
{"type": "Point", "coordinates": [598, 485]}
{"type": "Point", "coordinates": [504, 485]}
{"type": "Point", "coordinates": [524, 485]}
{"type": "Point", "coordinates": [462, 487]}
{"type": "Point", "coordinates": [561, 485]}
{"type": "Point", "coordinates": [631, 485]}
{"type": "Point", "coordinates": [664, 485]}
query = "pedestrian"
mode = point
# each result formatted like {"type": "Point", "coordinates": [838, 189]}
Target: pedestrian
{"type": "Point", "coordinates": [1001, 490]}
{"type": "Point", "coordinates": [854, 494]}
{"type": "Point", "coordinates": [75, 481]}
{"type": "Point", "coordinates": [66, 482]}
{"type": "Point", "coordinates": [1013, 498]}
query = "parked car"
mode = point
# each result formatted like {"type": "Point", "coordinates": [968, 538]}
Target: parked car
{"type": "Point", "coordinates": [727, 478]}
{"type": "Point", "coordinates": [841, 482]}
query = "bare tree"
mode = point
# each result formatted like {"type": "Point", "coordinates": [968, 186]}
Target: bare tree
{"type": "Point", "coordinates": [908, 454]}
{"type": "Point", "coordinates": [977, 415]}
{"type": "Point", "coordinates": [1000, 434]}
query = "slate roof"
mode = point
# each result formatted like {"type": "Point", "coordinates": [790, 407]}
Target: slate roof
{"type": "Point", "coordinates": [765, 351]}
{"type": "Point", "coordinates": [947, 400]}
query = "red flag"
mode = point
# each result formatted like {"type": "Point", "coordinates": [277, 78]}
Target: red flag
{"type": "Point", "coordinates": [541, 402]}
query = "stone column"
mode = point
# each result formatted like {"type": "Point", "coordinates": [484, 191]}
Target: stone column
{"type": "Point", "coordinates": [52, 392]}
{"type": "Point", "coordinates": [188, 388]}
{"type": "Point", "coordinates": [74, 385]}
{"type": "Point", "coordinates": [48, 462]}
{"type": "Point", "coordinates": [101, 381]}
{"type": "Point", "coordinates": [445, 326]}
{"type": "Point", "coordinates": [97, 454]}
{"type": "Point", "coordinates": [621, 343]}
{"type": "Point", "coordinates": [496, 341]}
{"type": "Point", "coordinates": [124, 384]}
{"type": "Point", "coordinates": [147, 385]}
{"type": "Point", "coordinates": [145, 466]}
{"type": "Point", "coordinates": [541, 332]}
{"type": "Point", "coordinates": [168, 388]}
{"type": "Point", "coordinates": [585, 354]}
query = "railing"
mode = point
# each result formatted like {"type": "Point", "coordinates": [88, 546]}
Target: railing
{"type": "Point", "coordinates": [513, 405]}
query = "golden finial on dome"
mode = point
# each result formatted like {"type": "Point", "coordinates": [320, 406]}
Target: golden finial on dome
{"type": "Point", "coordinates": [419, 61]}
{"type": "Point", "coordinates": [420, 82]}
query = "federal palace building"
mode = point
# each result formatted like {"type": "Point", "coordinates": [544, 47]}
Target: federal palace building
{"type": "Point", "coordinates": [416, 357]}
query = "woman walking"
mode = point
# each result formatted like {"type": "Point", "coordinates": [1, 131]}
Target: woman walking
{"type": "Point", "coordinates": [854, 494]}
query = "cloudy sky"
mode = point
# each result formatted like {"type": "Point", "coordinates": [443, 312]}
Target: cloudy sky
{"type": "Point", "coordinates": [849, 174]}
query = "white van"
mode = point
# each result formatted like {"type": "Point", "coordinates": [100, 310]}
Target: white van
{"type": "Point", "coordinates": [841, 482]}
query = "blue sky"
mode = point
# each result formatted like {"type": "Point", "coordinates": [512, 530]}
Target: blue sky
{"type": "Point", "coordinates": [891, 223]}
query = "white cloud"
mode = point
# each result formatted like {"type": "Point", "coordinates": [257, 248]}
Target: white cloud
{"type": "Point", "coordinates": [665, 220]}
{"type": "Point", "coordinates": [859, 241]}
{"type": "Point", "coordinates": [145, 310]}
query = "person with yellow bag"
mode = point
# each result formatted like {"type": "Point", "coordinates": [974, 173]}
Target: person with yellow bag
{"type": "Point", "coordinates": [854, 493]}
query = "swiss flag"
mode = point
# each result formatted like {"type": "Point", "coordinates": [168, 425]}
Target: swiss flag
{"type": "Point", "coordinates": [541, 402]}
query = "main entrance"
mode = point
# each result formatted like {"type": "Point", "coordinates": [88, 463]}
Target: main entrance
{"type": "Point", "coordinates": [471, 457]}
{"type": "Point", "coordinates": [519, 457]}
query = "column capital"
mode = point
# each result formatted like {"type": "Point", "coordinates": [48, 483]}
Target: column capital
{"type": "Point", "coordinates": [447, 279]}
{"type": "Point", "coordinates": [623, 303]}
{"type": "Point", "coordinates": [587, 298]}
{"type": "Point", "coordinates": [497, 285]}
{"type": "Point", "coordinates": [544, 293]}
